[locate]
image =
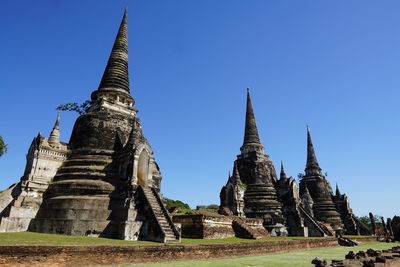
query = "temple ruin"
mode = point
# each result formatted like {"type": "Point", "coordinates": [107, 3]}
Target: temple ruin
{"type": "Point", "coordinates": [310, 209]}
{"type": "Point", "coordinates": [105, 182]}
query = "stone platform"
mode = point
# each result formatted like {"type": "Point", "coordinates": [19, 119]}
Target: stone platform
{"type": "Point", "coordinates": [129, 254]}
{"type": "Point", "coordinates": [205, 226]}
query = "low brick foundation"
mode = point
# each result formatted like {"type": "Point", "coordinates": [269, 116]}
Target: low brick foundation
{"type": "Point", "coordinates": [217, 227]}
{"type": "Point", "coordinates": [114, 255]}
{"type": "Point", "coordinates": [204, 226]}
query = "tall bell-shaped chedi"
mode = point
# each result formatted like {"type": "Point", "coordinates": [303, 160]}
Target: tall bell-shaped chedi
{"type": "Point", "coordinates": [258, 175]}
{"type": "Point", "coordinates": [110, 184]}
{"type": "Point", "coordinates": [316, 184]}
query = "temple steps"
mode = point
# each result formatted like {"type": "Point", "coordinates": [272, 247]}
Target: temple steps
{"type": "Point", "coordinates": [162, 216]}
{"type": "Point", "coordinates": [245, 231]}
{"type": "Point", "coordinates": [314, 222]}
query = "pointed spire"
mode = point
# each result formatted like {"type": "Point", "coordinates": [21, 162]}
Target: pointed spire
{"type": "Point", "coordinates": [312, 166]}
{"type": "Point", "coordinates": [132, 136]}
{"type": "Point", "coordinates": [229, 178]}
{"type": "Point", "coordinates": [283, 173]}
{"type": "Point", "coordinates": [307, 201]}
{"type": "Point", "coordinates": [337, 190]}
{"type": "Point", "coordinates": [55, 133]}
{"type": "Point", "coordinates": [236, 175]}
{"type": "Point", "coordinates": [306, 193]}
{"type": "Point", "coordinates": [135, 134]}
{"type": "Point", "coordinates": [251, 137]}
{"type": "Point", "coordinates": [115, 75]}
{"type": "Point", "coordinates": [118, 144]}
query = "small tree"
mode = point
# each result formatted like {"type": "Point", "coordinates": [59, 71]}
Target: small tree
{"type": "Point", "coordinates": [300, 175]}
{"type": "Point", "coordinates": [176, 203]}
{"type": "Point", "coordinates": [212, 207]}
{"type": "Point", "coordinates": [79, 108]}
{"type": "Point", "coordinates": [366, 220]}
{"type": "Point", "coordinates": [3, 146]}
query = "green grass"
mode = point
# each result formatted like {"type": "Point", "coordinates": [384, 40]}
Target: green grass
{"type": "Point", "coordinates": [300, 258]}
{"type": "Point", "coordinates": [182, 212]}
{"type": "Point", "coordinates": [29, 238]}
{"type": "Point", "coordinates": [207, 212]}
{"type": "Point", "coordinates": [236, 239]}
{"type": "Point", "coordinates": [290, 259]}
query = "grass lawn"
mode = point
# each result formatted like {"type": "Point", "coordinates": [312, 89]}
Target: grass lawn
{"type": "Point", "coordinates": [28, 238]}
{"type": "Point", "coordinates": [290, 259]}
{"type": "Point", "coordinates": [236, 239]}
{"type": "Point", "coordinates": [298, 259]}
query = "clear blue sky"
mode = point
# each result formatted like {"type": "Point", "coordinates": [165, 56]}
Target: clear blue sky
{"type": "Point", "coordinates": [334, 65]}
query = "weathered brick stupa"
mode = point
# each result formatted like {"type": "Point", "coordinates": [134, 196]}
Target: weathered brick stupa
{"type": "Point", "coordinates": [352, 226]}
{"type": "Point", "coordinates": [108, 184]}
{"type": "Point", "coordinates": [324, 205]}
{"type": "Point", "coordinates": [254, 174]}
{"type": "Point", "coordinates": [254, 191]}
{"type": "Point", "coordinates": [320, 189]}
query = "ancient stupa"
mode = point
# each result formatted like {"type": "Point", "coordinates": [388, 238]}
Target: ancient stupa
{"type": "Point", "coordinates": [105, 182]}
{"type": "Point", "coordinates": [254, 191]}
{"type": "Point", "coordinates": [254, 175]}
{"type": "Point", "coordinates": [319, 188]}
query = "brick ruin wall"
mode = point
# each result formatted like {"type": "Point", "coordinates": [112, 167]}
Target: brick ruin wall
{"type": "Point", "coordinates": [205, 227]}
{"type": "Point", "coordinates": [61, 256]}
{"type": "Point", "coordinates": [213, 227]}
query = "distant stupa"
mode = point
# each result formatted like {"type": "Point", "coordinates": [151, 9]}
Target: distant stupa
{"type": "Point", "coordinates": [253, 191]}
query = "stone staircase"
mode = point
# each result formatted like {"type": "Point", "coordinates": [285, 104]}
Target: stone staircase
{"type": "Point", "coordinates": [171, 233]}
{"type": "Point", "coordinates": [317, 225]}
{"type": "Point", "coordinates": [363, 228]}
{"type": "Point", "coordinates": [245, 231]}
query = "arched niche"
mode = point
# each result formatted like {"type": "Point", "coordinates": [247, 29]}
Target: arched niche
{"type": "Point", "coordinates": [143, 168]}
{"type": "Point", "coordinates": [229, 195]}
